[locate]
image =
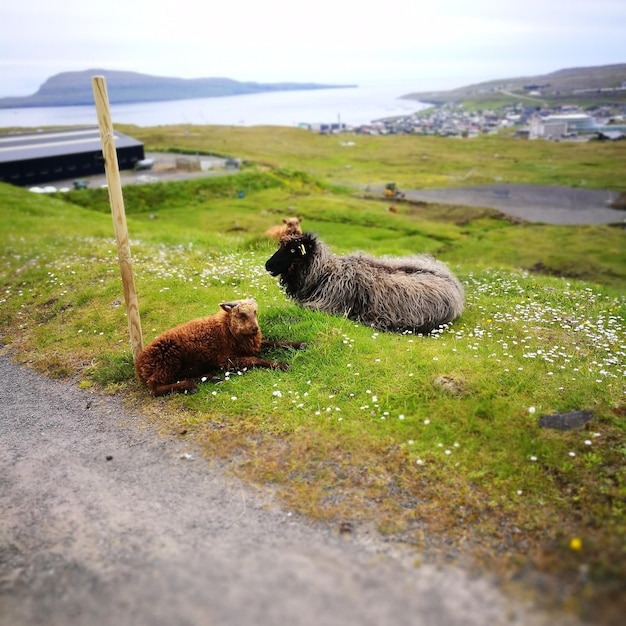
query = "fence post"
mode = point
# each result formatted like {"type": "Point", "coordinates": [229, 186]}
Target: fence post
{"type": "Point", "coordinates": [116, 200]}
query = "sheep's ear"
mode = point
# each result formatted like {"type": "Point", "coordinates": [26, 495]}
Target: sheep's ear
{"type": "Point", "coordinates": [229, 306]}
{"type": "Point", "coordinates": [305, 244]}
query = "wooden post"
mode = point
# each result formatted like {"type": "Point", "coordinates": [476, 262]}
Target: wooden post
{"type": "Point", "coordinates": [116, 200]}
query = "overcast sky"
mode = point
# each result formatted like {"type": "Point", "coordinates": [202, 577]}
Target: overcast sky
{"type": "Point", "coordinates": [429, 45]}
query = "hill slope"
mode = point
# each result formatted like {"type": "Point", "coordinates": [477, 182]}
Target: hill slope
{"type": "Point", "coordinates": [588, 82]}
{"type": "Point", "coordinates": [74, 88]}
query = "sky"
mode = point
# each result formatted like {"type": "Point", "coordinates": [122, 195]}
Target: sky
{"type": "Point", "coordinates": [439, 44]}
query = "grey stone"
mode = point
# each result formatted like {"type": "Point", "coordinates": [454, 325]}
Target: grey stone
{"type": "Point", "coordinates": [574, 420]}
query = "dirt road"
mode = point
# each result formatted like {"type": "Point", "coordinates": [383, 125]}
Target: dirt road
{"type": "Point", "coordinates": [105, 523]}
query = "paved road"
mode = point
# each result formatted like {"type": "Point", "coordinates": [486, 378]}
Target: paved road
{"type": "Point", "coordinates": [532, 203]}
{"type": "Point", "coordinates": [105, 523]}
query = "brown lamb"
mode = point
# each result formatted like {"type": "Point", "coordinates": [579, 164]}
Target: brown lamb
{"type": "Point", "coordinates": [229, 339]}
{"type": "Point", "coordinates": [290, 226]}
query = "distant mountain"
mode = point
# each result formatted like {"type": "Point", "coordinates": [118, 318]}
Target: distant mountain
{"type": "Point", "coordinates": [74, 88]}
{"type": "Point", "coordinates": [578, 82]}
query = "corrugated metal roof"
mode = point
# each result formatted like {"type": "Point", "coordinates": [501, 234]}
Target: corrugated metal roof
{"type": "Point", "coordinates": [27, 146]}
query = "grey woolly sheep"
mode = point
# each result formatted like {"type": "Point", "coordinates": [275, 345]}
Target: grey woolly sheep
{"type": "Point", "coordinates": [230, 339]}
{"type": "Point", "coordinates": [415, 293]}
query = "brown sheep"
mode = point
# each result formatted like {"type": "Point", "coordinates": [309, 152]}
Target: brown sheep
{"type": "Point", "coordinates": [229, 339]}
{"type": "Point", "coordinates": [290, 226]}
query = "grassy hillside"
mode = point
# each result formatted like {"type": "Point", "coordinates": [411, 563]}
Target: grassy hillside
{"type": "Point", "coordinates": [435, 440]}
{"type": "Point", "coordinates": [566, 85]}
{"type": "Point", "coordinates": [412, 162]}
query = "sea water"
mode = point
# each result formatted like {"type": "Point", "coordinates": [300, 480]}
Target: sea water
{"type": "Point", "coordinates": [353, 106]}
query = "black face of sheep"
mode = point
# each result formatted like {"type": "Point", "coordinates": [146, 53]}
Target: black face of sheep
{"type": "Point", "coordinates": [292, 250]}
{"type": "Point", "coordinates": [413, 293]}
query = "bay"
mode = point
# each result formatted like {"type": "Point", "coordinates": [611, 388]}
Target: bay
{"type": "Point", "coordinates": [353, 106]}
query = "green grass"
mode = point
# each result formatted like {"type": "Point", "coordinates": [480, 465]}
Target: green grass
{"type": "Point", "coordinates": [359, 428]}
{"type": "Point", "coordinates": [411, 161]}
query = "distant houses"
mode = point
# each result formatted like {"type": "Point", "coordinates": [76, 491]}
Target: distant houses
{"type": "Point", "coordinates": [561, 126]}
{"type": "Point", "coordinates": [575, 125]}
{"type": "Point", "coordinates": [523, 120]}
{"type": "Point", "coordinates": [325, 128]}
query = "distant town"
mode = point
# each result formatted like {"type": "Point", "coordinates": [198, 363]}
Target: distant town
{"type": "Point", "coordinates": [524, 120]}
{"type": "Point", "coordinates": [571, 104]}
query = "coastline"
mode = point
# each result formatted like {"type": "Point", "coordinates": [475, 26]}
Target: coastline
{"type": "Point", "coordinates": [349, 105]}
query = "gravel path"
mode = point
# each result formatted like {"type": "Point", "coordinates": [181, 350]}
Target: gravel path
{"type": "Point", "coordinates": [105, 523]}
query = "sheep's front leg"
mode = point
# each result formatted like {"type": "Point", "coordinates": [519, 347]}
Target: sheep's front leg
{"type": "Point", "coordinates": [182, 386]}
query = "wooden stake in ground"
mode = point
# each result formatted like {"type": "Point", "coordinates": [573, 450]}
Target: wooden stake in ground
{"type": "Point", "coordinates": [116, 201]}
